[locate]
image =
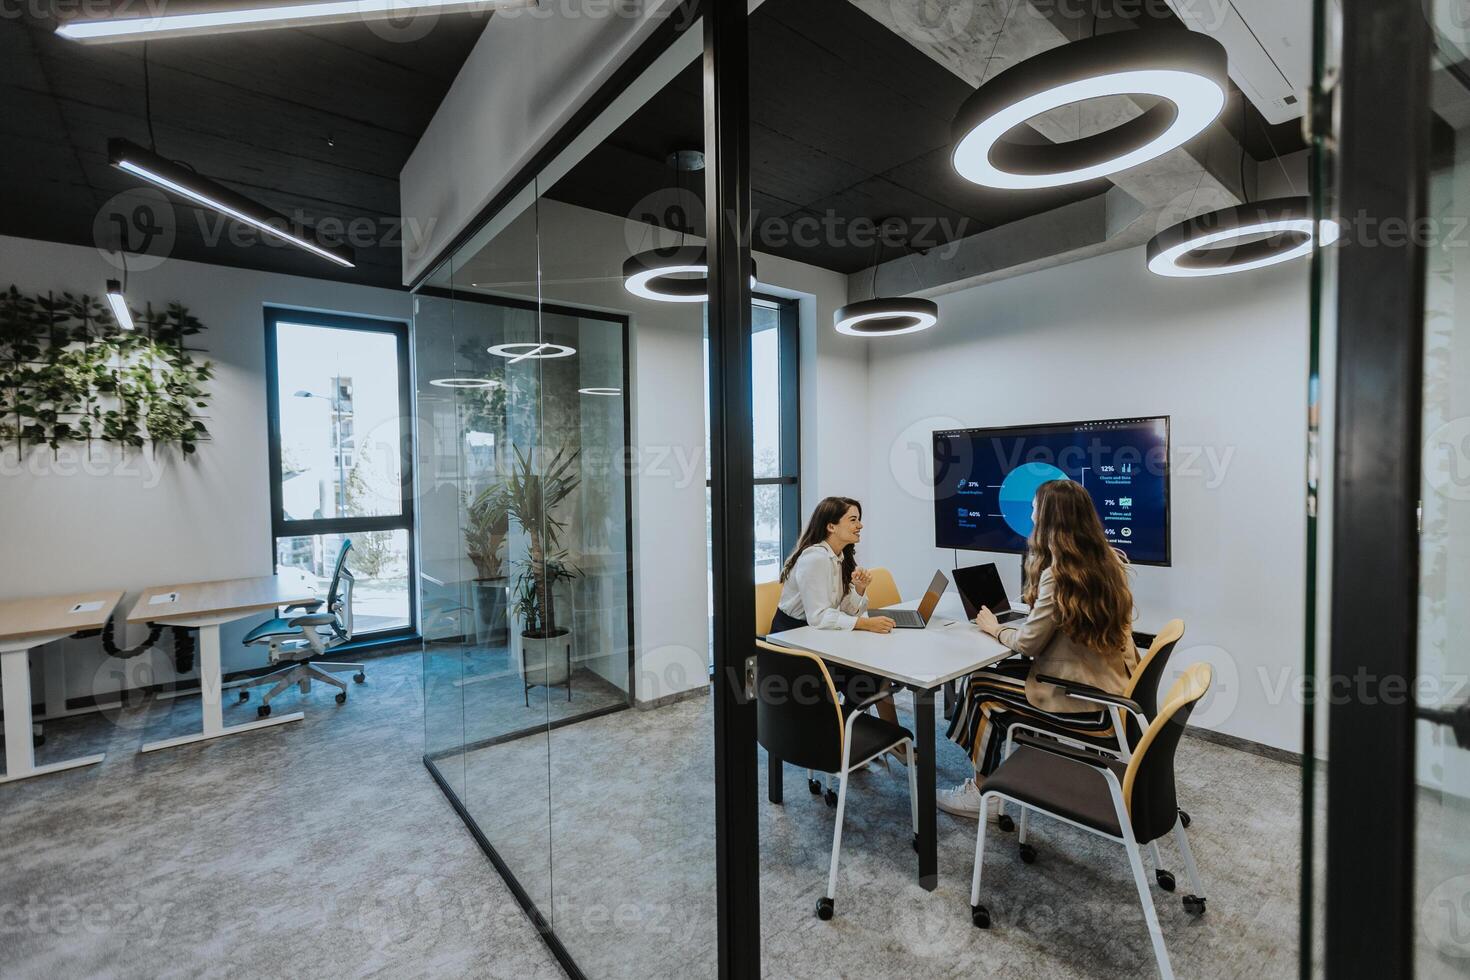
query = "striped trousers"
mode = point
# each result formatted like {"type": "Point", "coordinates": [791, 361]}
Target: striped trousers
{"type": "Point", "coordinates": [994, 699]}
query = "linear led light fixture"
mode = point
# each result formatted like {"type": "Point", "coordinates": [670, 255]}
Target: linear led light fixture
{"type": "Point", "coordinates": [119, 304]}
{"type": "Point", "coordinates": [112, 30]}
{"type": "Point", "coordinates": [134, 159]}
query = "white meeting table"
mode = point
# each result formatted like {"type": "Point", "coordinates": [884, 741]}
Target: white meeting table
{"type": "Point", "coordinates": [924, 660]}
{"type": "Point", "coordinates": [204, 606]}
{"type": "Point", "coordinates": [29, 623]}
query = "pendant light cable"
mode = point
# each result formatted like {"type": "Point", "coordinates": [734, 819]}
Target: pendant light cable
{"type": "Point", "coordinates": [998, 35]}
{"type": "Point", "coordinates": [148, 99]}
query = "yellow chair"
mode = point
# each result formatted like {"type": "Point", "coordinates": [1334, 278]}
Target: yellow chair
{"type": "Point", "coordinates": [767, 594]}
{"type": "Point", "coordinates": [882, 590]}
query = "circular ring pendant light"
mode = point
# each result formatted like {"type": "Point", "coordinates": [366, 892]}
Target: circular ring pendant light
{"type": "Point", "coordinates": [886, 317]}
{"type": "Point", "coordinates": [678, 274]}
{"type": "Point", "coordinates": [1186, 70]}
{"type": "Point", "coordinates": [604, 392]}
{"type": "Point", "coordinates": [464, 383]}
{"type": "Point", "coordinates": [531, 351]}
{"type": "Point", "coordinates": [1201, 245]}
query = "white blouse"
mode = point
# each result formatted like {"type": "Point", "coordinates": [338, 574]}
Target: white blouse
{"type": "Point", "coordinates": [813, 591]}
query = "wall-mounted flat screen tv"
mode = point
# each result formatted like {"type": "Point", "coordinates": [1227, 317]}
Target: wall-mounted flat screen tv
{"type": "Point", "coordinates": [985, 479]}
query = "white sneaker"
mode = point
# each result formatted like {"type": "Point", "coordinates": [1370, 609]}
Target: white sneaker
{"type": "Point", "coordinates": [962, 801]}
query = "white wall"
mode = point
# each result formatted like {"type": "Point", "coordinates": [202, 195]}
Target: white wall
{"type": "Point", "coordinates": [1226, 359]}
{"type": "Point", "coordinates": [131, 520]}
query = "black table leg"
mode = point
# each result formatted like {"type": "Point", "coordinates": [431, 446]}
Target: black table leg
{"type": "Point", "coordinates": [928, 837]}
{"type": "Point", "coordinates": [775, 769]}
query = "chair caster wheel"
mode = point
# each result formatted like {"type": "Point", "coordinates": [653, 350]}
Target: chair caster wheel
{"type": "Point", "coordinates": [980, 916]}
{"type": "Point", "coordinates": [264, 711]}
{"type": "Point", "coordinates": [1166, 879]}
{"type": "Point", "coordinates": [815, 785]}
{"type": "Point", "coordinates": [830, 797]}
{"type": "Point", "coordinates": [1194, 905]}
{"type": "Point", "coordinates": [1184, 820]}
{"type": "Point", "coordinates": [341, 697]}
{"type": "Point", "coordinates": [824, 908]}
{"type": "Point", "coordinates": [1006, 823]}
{"type": "Point", "coordinates": [1028, 854]}
{"type": "Point", "coordinates": [244, 696]}
{"type": "Point", "coordinates": [360, 677]}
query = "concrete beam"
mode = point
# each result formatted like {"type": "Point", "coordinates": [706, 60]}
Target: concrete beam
{"type": "Point", "coordinates": [975, 40]}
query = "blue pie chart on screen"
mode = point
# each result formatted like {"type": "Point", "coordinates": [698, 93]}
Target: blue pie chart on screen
{"type": "Point", "coordinates": [1017, 491]}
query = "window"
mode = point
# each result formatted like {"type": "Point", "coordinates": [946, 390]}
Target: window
{"type": "Point", "coordinates": [776, 421]}
{"type": "Point", "coordinates": [341, 458]}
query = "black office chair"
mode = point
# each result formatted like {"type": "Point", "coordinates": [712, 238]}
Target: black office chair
{"type": "Point", "coordinates": [297, 639]}
{"type": "Point", "coordinates": [1130, 713]}
{"type": "Point", "coordinates": [799, 720]}
{"type": "Point", "coordinates": [1132, 804]}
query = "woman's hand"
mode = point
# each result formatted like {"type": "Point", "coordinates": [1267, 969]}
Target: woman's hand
{"type": "Point", "coordinates": [985, 619]}
{"type": "Point", "coordinates": [874, 624]}
{"type": "Point", "coordinates": [861, 579]}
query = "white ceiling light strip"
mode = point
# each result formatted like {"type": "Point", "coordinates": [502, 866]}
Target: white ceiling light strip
{"type": "Point", "coordinates": [145, 28]}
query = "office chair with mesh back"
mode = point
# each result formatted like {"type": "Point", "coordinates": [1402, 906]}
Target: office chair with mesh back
{"type": "Point", "coordinates": [798, 719]}
{"type": "Point", "coordinates": [295, 640]}
{"type": "Point", "coordinates": [1131, 804]}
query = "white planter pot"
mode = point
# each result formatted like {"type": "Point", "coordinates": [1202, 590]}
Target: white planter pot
{"type": "Point", "coordinates": [547, 661]}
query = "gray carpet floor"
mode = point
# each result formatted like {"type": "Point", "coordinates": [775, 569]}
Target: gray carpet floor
{"type": "Point", "coordinates": [630, 828]}
{"type": "Point", "coordinates": [323, 848]}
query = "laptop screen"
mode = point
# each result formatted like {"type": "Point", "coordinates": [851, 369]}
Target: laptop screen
{"type": "Point", "coordinates": [937, 585]}
{"type": "Point", "coordinates": [980, 585]}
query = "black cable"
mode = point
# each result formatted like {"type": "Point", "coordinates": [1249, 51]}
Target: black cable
{"type": "Point", "coordinates": [1096, 7]}
{"type": "Point", "coordinates": [148, 100]}
{"type": "Point", "coordinates": [183, 645]}
{"type": "Point", "coordinates": [109, 641]}
{"type": "Point", "coordinates": [183, 649]}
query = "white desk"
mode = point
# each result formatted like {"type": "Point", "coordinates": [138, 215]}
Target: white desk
{"type": "Point", "coordinates": [925, 660]}
{"type": "Point", "coordinates": [29, 623]}
{"type": "Point", "coordinates": [204, 606]}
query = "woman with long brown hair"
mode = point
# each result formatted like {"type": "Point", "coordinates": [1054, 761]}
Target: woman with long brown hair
{"type": "Point", "coordinates": [822, 586]}
{"type": "Point", "coordinates": [1080, 628]}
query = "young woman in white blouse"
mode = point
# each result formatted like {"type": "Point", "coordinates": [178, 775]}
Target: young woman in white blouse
{"type": "Point", "coordinates": [822, 586]}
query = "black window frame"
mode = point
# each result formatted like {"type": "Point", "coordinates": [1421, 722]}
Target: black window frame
{"type": "Point", "coordinates": [788, 342]}
{"type": "Point", "coordinates": [405, 519]}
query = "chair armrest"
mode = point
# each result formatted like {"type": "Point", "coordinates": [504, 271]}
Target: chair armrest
{"type": "Point", "coordinates": [1086, 692]}
{"type": "Point", "coordinates": [313, 619]}
{"type": "Point", "coordinates": [884, 691]}
{"type": "Point", "coordinates": [310, 605]}
{"type": "Point", "coordinates": [1065, 751]}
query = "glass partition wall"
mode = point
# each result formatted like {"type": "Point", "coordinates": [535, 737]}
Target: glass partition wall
{"type": "Point", "coordinates": [562, 428]}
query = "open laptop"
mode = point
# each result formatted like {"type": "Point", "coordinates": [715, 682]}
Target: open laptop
{"type": "Point", "coordinates": [980, 585]}
{"type": "Point", "coordinates": [917, 619]}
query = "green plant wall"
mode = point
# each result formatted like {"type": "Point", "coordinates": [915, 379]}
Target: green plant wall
{"type": "Point", "coordinates": [69, 373]}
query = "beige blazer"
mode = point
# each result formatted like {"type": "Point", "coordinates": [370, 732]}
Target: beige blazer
{"type": "Point", "coordinates": [1055, 654]}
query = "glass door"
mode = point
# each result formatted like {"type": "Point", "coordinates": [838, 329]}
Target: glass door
{"type": "Point", "coordinates": [1442, 690]}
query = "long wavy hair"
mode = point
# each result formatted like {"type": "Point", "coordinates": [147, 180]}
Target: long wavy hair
{"type": "Point", "coordinates": [830, 511]}
{"type": "Point", "coordinates": [1090, 579]}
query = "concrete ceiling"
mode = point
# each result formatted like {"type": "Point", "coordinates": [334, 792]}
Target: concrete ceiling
{"type": "Point", "coordinates": [1210, 172]}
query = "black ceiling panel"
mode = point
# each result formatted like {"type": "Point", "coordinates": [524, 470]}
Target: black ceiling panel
{"type": "Point", "coordinates": [315, 123]}
{"type": "Point", "coordinates": [850, 124]}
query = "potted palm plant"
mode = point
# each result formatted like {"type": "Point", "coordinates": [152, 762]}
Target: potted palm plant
{"type": "Point", "coordinates": [487, 525]}
{"type": "Point", "coordinates": [531, 500]}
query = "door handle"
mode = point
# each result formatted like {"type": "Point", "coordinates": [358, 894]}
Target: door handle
{"type": "Point", "coordinates": [1456, 719]}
